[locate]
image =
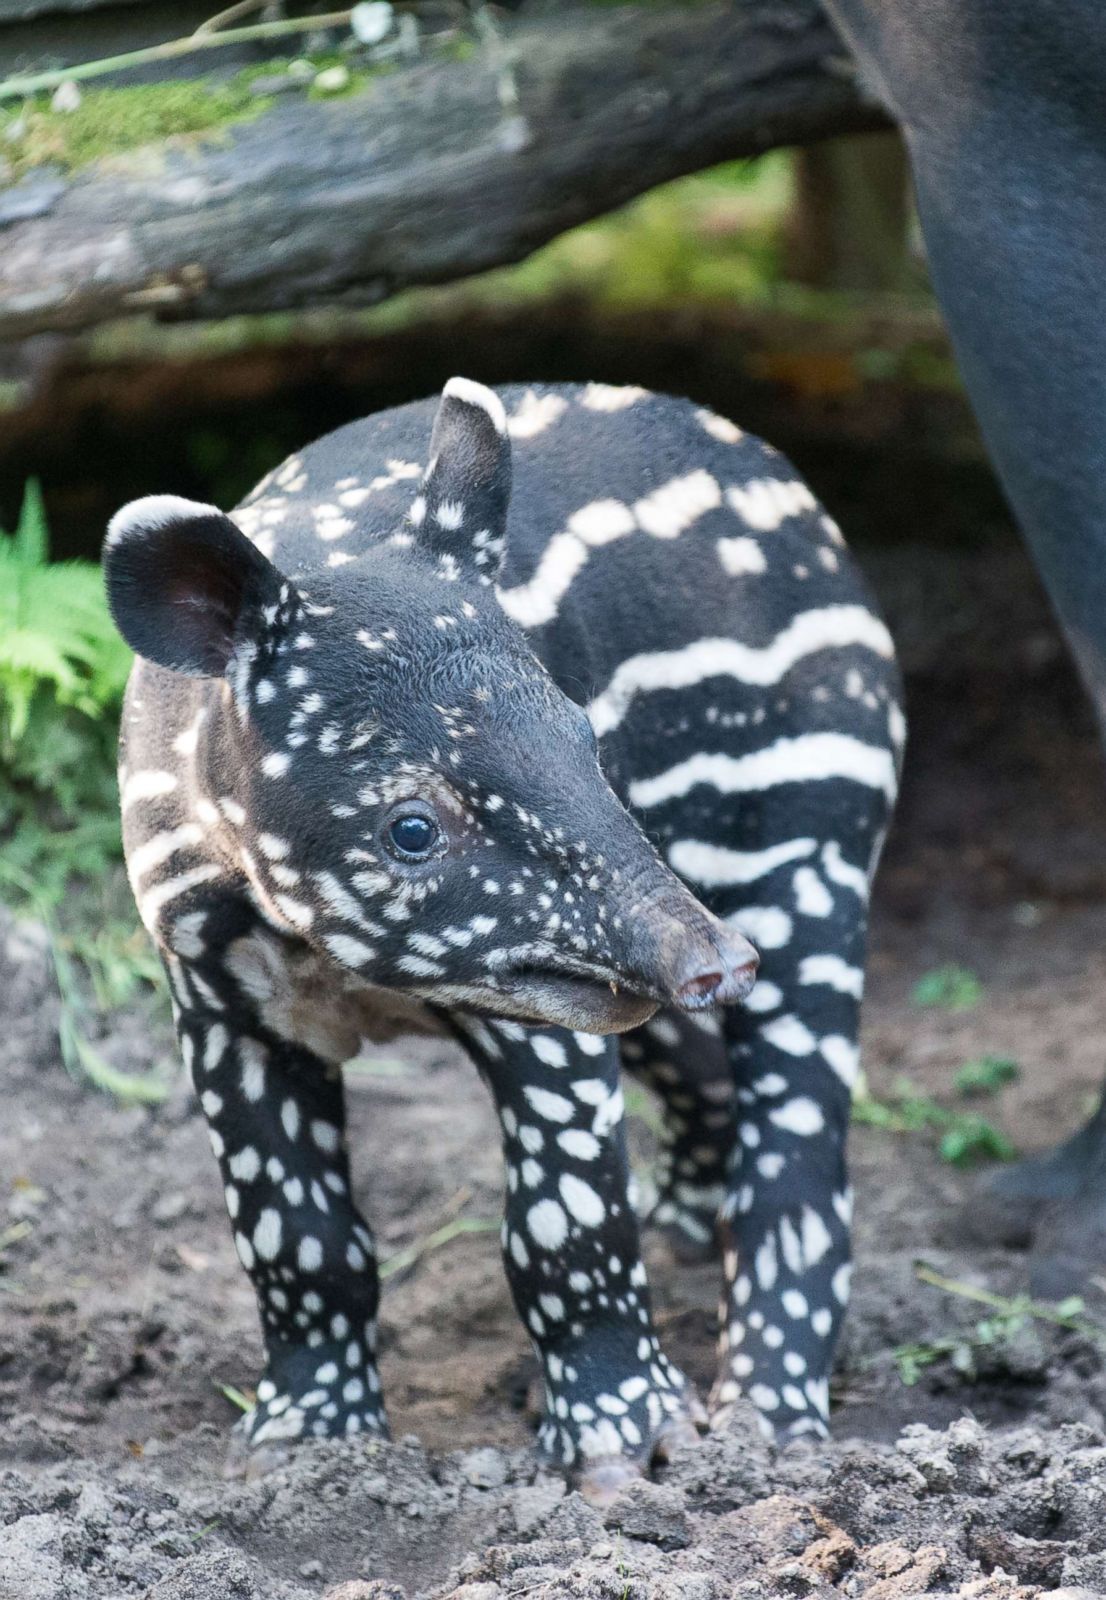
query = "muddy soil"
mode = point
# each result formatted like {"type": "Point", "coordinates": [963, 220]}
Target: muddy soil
{"type": "Point", "coordinates": [123, 1312]}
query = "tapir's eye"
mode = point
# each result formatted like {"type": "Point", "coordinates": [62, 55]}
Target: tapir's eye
{"type": "Point", "coordinates": [412, 835]}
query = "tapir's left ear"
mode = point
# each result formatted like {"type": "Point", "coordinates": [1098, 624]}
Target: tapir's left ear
{"type": "Point", "coordinates": [186, 588]}
{"type": "Point", "coordinates": [461, 510]}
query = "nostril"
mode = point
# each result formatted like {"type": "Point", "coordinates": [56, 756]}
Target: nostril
{"type": "Point", "coordinates": [720, 983]}
{"type": "Point", "coordinates": [742, 979]}
{"type": "Point", "coordinates": [703, 986]}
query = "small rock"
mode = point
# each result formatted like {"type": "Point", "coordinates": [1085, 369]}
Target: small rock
{"type": "Point", "coordinates": [372, 1589]}
{"type": "Point", "coordinates": [1089, 1571]}
{"type": "Point", "coordinates": [484, 1469]}
{"type": "Point", "coordinates": [475, 1591]}
{"type": "Point", "coordinates": [169, 1208]}
{"type": "Point", "coordinates": [213, 1575]}
{"type": "Point", "coordinates": [332, 80]}
{"type": "Point", "coordinates": [67, 97]}
{"type": "Point", "coordinates": [532, 1505]}
{"type": "Point", "coordinates": [689, 1586]}
{"type": "Point", "coordinates": [652, 1512]}
{"type": "Point", "coordinates": [573, 1518]}
{"type": "Point", "coordinates": [311, 1569]}
{"type": "Point", "coordinates": [371, 21]}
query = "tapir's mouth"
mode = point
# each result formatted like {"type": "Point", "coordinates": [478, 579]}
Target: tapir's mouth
{"type": "Point", "coordinates": [588, 1003]}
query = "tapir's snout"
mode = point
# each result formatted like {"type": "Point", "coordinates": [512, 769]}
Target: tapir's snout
{"type": "Point", "coordinates": [706, 963]}
{"type": "Point", "coordinates": [685, 954]}
{"type": "Point", "coordinates": [716, 976]}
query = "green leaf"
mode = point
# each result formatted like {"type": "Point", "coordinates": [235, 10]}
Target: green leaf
{"type": "Point", "coordinates": [32, 537]}
{"type": "Point", "coordinates": [986, 1075]}
{"type": "Point", "coordinates": [952, 988]}
{"type": "Point", "coordinates": [971, 1138]}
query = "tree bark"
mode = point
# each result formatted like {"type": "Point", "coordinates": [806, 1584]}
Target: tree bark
{"type": "Point", "coordinates": [424, 176]}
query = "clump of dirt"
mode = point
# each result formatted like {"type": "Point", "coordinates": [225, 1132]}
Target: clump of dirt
{"type": "Point", "coordinates": [125, 1318]}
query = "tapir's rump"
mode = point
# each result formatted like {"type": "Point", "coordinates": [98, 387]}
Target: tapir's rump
{"type": "Point", "coordinates": [538, 716]}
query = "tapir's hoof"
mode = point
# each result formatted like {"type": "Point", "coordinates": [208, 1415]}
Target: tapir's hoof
{"type": "Point", "coordinates": [604, 1480]}
{"type": "Point", "coordinates": [1007, 1207]}
{"type": "Point", "coordinates": [683, 1237]}
{"type": "Point", "coordinates": [1069, 1252]}
{"type": "Point", "coordinates": [677, 1247]}
{"type": "Point", "coordinates": [678, 1435]}
{"type": "Point", "coordinates": [243, 1463]}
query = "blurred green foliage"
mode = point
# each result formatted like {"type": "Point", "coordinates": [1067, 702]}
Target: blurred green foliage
{"type": "Point", "coordinates": [63, 668]}
{"type": "Point", "coordinates": [965, 1136]}
{"type": "Point", "coordinates": [950, 988]}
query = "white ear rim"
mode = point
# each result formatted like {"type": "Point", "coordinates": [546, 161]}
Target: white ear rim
{"type": "Point", "coordinates": [477, 394]}
{"type": "Point", "coordinates": [155, 511]}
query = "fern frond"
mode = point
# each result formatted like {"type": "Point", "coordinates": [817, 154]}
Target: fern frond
{"type": "Point", "coordinates": [32, 537]}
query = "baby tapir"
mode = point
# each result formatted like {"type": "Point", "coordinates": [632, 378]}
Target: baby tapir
{"type": "Point", "coordinates": [406, 750]}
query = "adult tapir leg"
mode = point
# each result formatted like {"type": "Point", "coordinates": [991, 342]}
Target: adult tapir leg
{"type": "Point", "coordinates": [1001, 105]}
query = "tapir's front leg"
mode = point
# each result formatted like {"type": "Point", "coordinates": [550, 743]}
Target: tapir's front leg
{"type": "Point", "coordinates": [571, 1247]}
{"type": "Point", "coordinates": [276, 1120]}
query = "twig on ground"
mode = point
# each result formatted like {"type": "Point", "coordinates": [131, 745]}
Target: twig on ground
{"type": "Point", "coordinates": [433, 1241]}
{"type": "Point", "coordinates": [252, 33]}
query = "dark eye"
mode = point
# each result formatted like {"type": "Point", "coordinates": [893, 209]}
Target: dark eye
{"type": "Point", "coordinates": [412, 835]}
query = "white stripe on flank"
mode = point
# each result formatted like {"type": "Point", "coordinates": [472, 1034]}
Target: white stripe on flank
{"type": "Point", "coordinates": [711, 865]}
{"type": "Point", "coordinates": [672, 508]}
{"type": "Point", "coordinates": [830, 628]}
{"type": "Point", "coordinates": [152, 902]}
{"type": "Point", "coordinates": [833, 972]}
{"type": "Point", "coordinates": [740, 556]}
{"type": "Point", "coordinates": [533, 604]}
{"type": "Point", "coordinates": [146, 786]}
{"type": "Point", "coordinates": [611, 397]}
{"type": "Point", "coordinates": [161, 847]}
{"type": "Point", "coordinates": [534, 414]}
{"type": "Point", "coordinates": [812, 757]}
{"type": "Point", "coordinates": [768, 927]}
{"type": "Point", "coordinates": [842, 872]}
{"type": "Point", "coordinates": [766, 503]}
{"type": "Point", "coordinates": [669, 511]}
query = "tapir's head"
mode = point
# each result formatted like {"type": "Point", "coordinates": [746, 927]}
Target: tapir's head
{"type": "Point", "coordinates": [420, 799]}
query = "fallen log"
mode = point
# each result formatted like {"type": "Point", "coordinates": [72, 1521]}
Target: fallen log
{"type": "Point", "coordinates": [428, 173]}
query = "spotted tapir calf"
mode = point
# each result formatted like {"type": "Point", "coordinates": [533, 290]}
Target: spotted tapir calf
{"type": "Point", "coordinates": [405, 751]}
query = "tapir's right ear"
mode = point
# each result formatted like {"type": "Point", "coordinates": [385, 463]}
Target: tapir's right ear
{"type": "Point", "coordinates": [461, 509]}
{"type": "Point", "coordinates": [184, 584]}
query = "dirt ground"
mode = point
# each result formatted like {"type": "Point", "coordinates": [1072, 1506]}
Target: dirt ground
{"type": "Point", "coordinates": [123, 1309]}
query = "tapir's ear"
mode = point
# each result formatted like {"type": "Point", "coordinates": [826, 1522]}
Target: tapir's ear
{"type": "Point", "coordinates": [461, 510]}
{"type": "Point", "coordinates": [185, 586]}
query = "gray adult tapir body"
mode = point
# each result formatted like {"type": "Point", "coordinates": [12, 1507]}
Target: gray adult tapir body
{"type": "Point", "coordinates": [1000, 103]}
{"type": "Point", "coordinates": [547, 770]}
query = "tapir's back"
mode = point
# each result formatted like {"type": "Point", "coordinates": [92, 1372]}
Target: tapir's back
{"type": "Point", "coordinates": [645, 536]}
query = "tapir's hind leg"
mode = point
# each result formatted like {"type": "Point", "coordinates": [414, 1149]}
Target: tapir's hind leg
{"type": "Point", "coordinates": [683, 1060]}
{"type": "Point", "coordinates": [792, 1059]}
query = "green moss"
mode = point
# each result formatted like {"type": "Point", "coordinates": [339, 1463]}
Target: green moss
{"type": "Point", "coordinates": [112, 121]}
